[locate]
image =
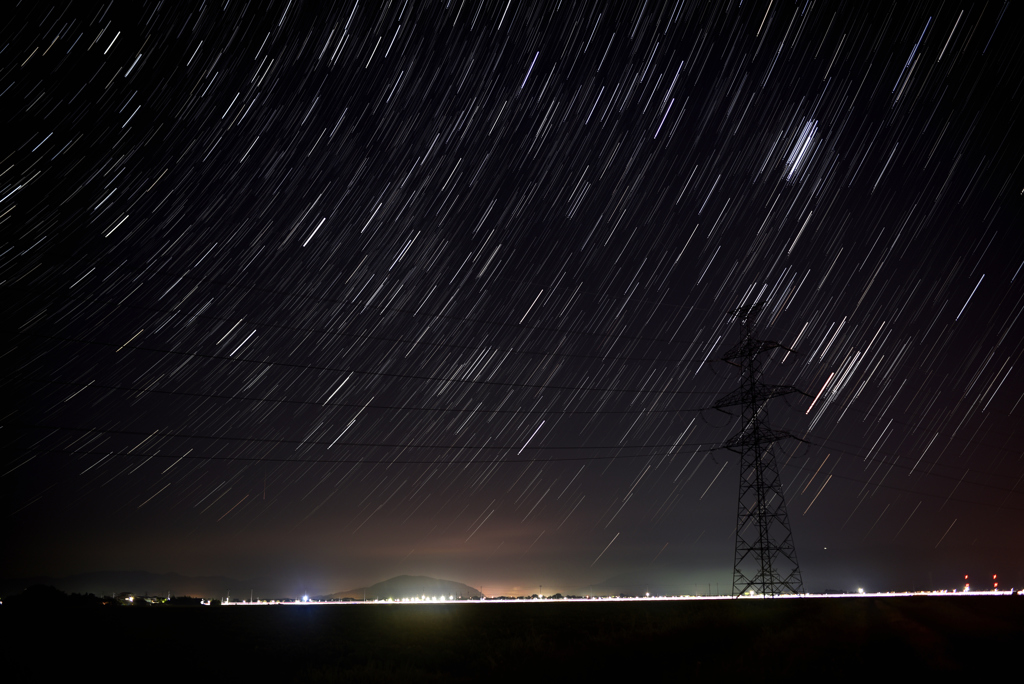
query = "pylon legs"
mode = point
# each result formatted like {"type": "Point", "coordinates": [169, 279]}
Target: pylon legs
{"type": "Point", "coordinates": [765, 560]}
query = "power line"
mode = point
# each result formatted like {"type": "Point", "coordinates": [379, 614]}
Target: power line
{"type": "Point", "coordinates": [929, 430]}
{"type": "Point", "coordinates": [830, 444]}
{"type": "Point", "coordinates": [882, 457]}
{"type": "Point", "coordinates": [300, 402]}
{"type": "Point", "coordinates": [376, 445]}
{"type": "Point", "coordinates": [928, 473]}
{"type": "Point", "coordinates": [929, 494]}
{"type": "Point", "coordinates": [358, 336]}
{"type": "Point", "coordinates": [379, 461]}
{"type": "Point", "coordinates": [452, 447]}
{"type": "Point", "coordinates": [402, 376]}
{"type": "Point", "coordinates": [328, 300]}
{"type": "Point", "coordinates": [491, 461]}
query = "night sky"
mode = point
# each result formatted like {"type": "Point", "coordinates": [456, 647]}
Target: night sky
{"type": "Point", "coordinates": [331, 292]}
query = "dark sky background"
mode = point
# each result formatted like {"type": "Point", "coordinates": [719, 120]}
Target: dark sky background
{"type": "Point", "coordinates": [331, 292]}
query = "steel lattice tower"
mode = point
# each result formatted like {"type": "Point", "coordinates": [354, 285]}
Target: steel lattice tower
{"type": "Point", "coordinates": [765, 553]}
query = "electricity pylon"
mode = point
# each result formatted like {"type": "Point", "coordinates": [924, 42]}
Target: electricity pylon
{"type": "Point", "coordinates": [765, 560]}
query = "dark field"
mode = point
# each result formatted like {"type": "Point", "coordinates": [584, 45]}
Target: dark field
{"type": "Point", "coordinates": [842, 639]}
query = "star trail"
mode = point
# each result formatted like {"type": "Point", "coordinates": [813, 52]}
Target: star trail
{"type": "Point", "coordinates": [344, 290]}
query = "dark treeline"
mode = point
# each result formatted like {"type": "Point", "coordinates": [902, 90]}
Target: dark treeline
{"type": "Point", "coordinates": [45, 596]}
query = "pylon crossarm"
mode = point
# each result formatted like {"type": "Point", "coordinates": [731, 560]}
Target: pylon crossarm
{"type": "Point", "coordinates": [762, 394]}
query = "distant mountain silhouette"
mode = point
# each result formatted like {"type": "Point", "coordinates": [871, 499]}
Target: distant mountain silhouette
{"type": "Point", "coordinates": [407, 586]}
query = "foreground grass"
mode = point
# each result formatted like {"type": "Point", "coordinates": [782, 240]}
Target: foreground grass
{"type": "Point", "coordinates": [841, 639]}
